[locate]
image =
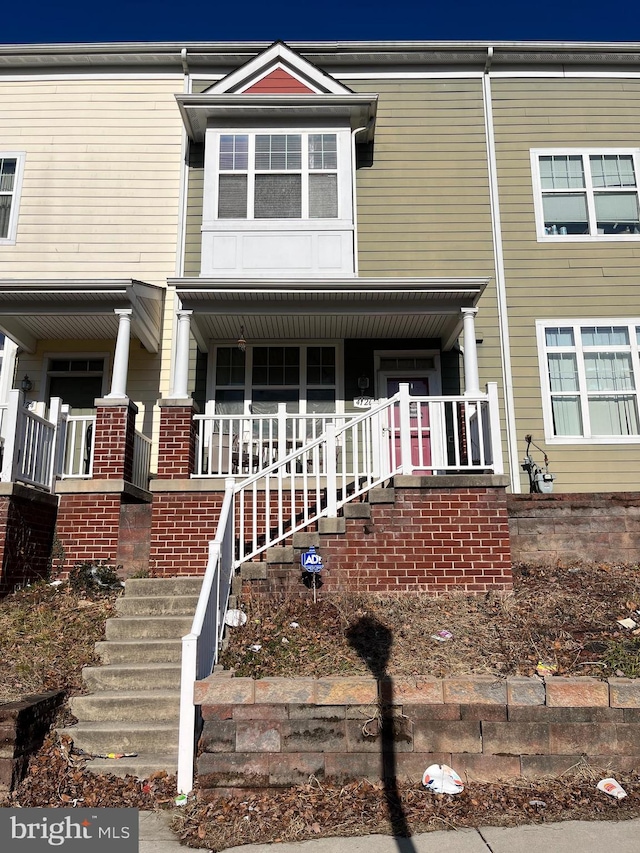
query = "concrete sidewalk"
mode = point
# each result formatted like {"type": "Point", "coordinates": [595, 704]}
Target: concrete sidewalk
{"type": "Point", "coordinates": [569, 837]}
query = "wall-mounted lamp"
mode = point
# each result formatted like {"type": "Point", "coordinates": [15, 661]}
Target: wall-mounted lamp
{"type": "Point", "coordinates": [242, 344]}
{"type": "Point", "coordinates": [26, 384]}
{"type": "Point", "coordinates": [363, 382]}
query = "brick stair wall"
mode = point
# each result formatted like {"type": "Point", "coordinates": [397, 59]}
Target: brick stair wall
{"type": "Point", "coordinates": [427, 534]}
{"type": "Point", "coordinates": [276, 732]}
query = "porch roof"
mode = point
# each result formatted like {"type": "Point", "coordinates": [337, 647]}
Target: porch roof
{"type": "Point", "coordinates": [280, 309]}
{"type": "Point", "coordinates": [32, 309]}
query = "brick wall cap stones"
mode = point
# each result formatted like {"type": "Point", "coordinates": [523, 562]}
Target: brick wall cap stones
{"type": "Point", "coordinates": [475, 690]}
{"type": "Point", "coordinates": [116, 403]}
{"type": "Point", "coordinates": [451, 481]}
{"type": "Point", "coordinates": [624, 692]}
{"type": "Point", "coordinates": [578, 692]}
{"type": "Point", "coordinates": [16, 490]}
{"type": "Point", "coordinates": [182, 403]}
{"type": "Point", "coordinates": [557, 691]}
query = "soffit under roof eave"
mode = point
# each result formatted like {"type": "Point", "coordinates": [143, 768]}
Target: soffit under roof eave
{"type": "Point", "coordinates": [24, 305]}
{"type": "Point", "coordinates": [198, 110]}
{"type": "Point", "coordinates": [329, 308]}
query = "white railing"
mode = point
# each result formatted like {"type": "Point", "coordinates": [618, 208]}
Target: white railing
{"type": "Point", "coordinates": [79, 444]}
{"type": "Point", "coordinates": [141, 460]}
{"type": "Point", "coordinates": [30, 442]}
{"type": "Point", "coordinates": [200, 647]}
{"type": "Point", "coordinates": [405, 435]}
{"type": "Point", "coordinates": [240, 445]}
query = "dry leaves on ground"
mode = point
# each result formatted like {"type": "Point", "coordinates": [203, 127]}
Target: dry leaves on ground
{"type": "Point", "coordinates": [319, 809]}
{"type": "Point", "coordinates": [566, 616]}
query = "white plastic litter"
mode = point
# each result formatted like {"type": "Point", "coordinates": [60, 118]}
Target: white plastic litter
{"type": "Point", "coordinates": [442, 636]}
{"type": "Point", "coordinates": [442, 779]}
{"type": "Point", "coordinates": [294, 624]}
{"type": "Point", "coordinates": [612, 787]}
{"type": "Point", "coordinates": [255, 647]}
{"type": "Point", "coordinates": [235, 618]}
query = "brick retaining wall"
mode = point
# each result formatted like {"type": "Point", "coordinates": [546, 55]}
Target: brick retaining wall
{"type": "Point", "coordinates": [602, 527]}
{"type": "Point", "coordinates": [276, 732]}
{"type": "Point", "coordinates": [23, 726]}
{"type": "Point", "coordinates": [27, 523]}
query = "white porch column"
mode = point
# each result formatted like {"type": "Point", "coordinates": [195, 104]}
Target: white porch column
{"type": "Point", "coordinates": [121, 357]}
{"type": "Point", "coordinates": [181, 368]}
{"type": "Point", "coordinates": [470, 352]}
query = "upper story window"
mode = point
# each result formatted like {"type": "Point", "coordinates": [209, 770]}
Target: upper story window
{"type": "Point", "coordinates": [586, 194]}
{"type": "Point", "coordinates": [277, 176]}
{"type": "Point", "coordinates": [590, 375]}
{"type": "Point", "coordinates": [11, 169]}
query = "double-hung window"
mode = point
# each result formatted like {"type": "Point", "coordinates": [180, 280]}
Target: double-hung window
{"type": "Point", "coordinates": [590, 374]}
{"type": "Point", "coordinates": [277, 176]}
{"type": "Point", "coordinates": [587, 194]}
{"type": "Point", "coordinates": [11, 169]}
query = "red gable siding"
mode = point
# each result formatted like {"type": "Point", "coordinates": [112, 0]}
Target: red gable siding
{"type": "Point", "coordinates": [278, 81]}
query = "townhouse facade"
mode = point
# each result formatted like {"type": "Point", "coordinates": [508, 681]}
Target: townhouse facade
{"type": "Point", "coordinates": [215, 255]}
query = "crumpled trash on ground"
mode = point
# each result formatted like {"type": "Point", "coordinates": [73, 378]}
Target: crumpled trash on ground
{"type": "Point", "coordinates": [546, 668]}
{"type": "Point", "coordinates": [612, 787]}
{"type": "Point", "coordinates": [442, 636]}
{"type": "Point", "coordinates": [235, 618]}
{"type": "Point", "coordinates": [442, 779]}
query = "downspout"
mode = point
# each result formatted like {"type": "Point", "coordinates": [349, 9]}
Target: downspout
{"type": "Point", "coordinates": [501, 290]}
{"type": "Point", "coordinates": [354, 200]}
{"type": "Point", "coordinates": [182, 218]}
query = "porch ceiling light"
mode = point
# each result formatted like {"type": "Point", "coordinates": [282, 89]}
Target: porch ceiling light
{"type": "Point", "coordinates": [242, 344]}
{"type": "Point", "coordinates": [26, 384]}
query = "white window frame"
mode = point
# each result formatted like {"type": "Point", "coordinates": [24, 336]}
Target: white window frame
{"type": "Point", "coordinates": [251, 172]}
{"type": "Point", "coordinates": [302, 386]}
{"type": "Point", "coordinates": [577, 325]}
{"type": "Point", "coordinates": [344, 219]}
{"type": "Point", "coordinates": [19, 157]}
{"type": "Point", "coordinates": [585, 153]}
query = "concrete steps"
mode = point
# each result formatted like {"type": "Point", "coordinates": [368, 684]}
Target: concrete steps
{"type": "Point", "coordinates": [134, 698]}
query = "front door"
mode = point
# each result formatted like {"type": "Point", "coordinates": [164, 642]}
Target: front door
{"type": "Point", "coordinates": [419, 422]}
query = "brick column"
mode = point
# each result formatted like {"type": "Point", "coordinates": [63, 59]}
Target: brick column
{"type": "Point", "coordinates": [177, 443]}
{"type": "Point", "coordinates": [113, 439]}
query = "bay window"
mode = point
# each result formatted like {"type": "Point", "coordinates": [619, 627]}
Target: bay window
{"type": "Point", "coordinates": [590, 372]}
{"type": "Point", "coordinates": [586, 194]}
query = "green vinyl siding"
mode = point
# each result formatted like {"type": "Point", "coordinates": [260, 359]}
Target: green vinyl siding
{"type": "Point", "coordinates": [572, 279]}
{"type": "Point", "coordinates": [423, 205]}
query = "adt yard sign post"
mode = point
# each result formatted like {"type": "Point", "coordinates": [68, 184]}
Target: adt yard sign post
{"type": "Point", "coordinates": [312, 564]}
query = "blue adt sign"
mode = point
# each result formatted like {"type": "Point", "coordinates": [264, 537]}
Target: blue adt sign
{"type": "Point", "coordinates": [311, 562]}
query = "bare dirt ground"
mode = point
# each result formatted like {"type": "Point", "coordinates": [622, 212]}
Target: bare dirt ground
{"type": "Point", "coordinates": [565, 617]}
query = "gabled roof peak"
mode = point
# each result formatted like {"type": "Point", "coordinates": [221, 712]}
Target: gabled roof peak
{"type": "Point", "coordinates": [284, 70]}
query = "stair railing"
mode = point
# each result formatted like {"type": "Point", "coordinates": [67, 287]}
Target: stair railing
{"type": "Point", "coordinates": [402, 435]}
{"type": "Point", "coordinates": [200, 648]}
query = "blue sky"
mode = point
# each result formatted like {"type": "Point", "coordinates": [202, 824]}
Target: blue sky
{"type": "Point", "coordinates": [49, 21]}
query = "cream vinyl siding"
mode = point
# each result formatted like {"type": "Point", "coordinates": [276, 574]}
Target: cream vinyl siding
{"type": "Point", "coordinates": [554, 280]}
{"type": "Point", "coordinates": [101, 183]}
{"type": "Point", "coordinates": [193, 237]}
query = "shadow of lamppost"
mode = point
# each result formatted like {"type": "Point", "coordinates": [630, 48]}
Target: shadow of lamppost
{"type": "Point", "coordinates": [372, 641]}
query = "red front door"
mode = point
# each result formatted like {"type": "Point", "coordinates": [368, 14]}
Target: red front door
{"type": "Point", "coordinates": [420, 432]}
